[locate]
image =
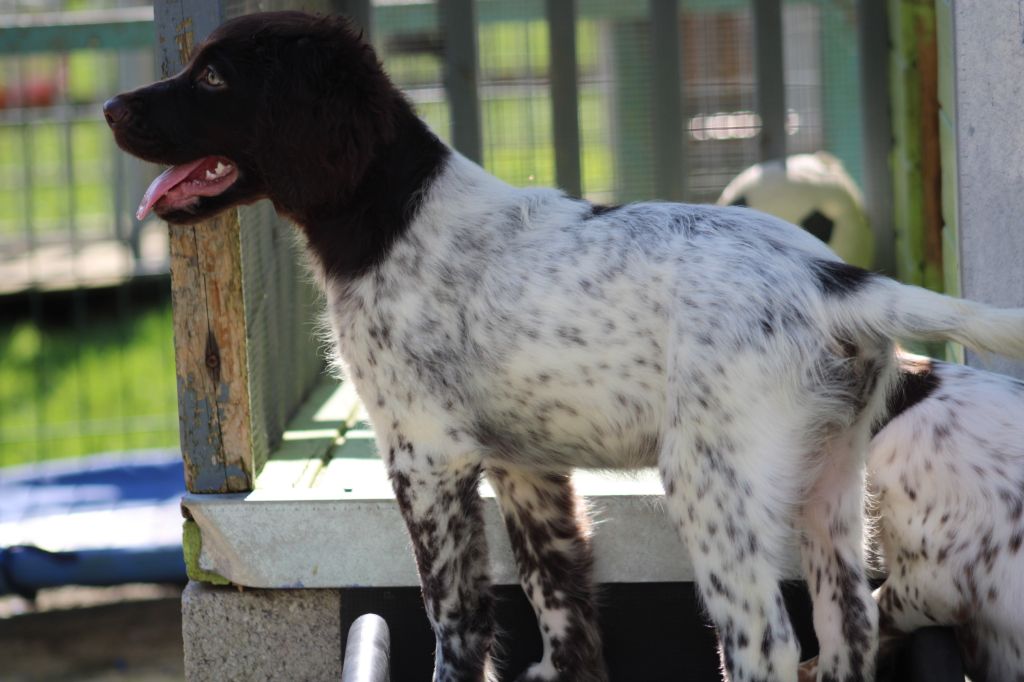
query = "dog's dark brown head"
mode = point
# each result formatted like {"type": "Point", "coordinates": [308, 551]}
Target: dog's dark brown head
{"type": "Point", "coordinates": [283, 105]}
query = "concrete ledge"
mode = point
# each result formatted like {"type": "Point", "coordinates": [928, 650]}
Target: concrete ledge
{"type": "Point", "coordinates": [255, 635]}
{"type": "Point", "coordinates": [323, 515]}
{"type": "Point", "coordinates": [318, 539]}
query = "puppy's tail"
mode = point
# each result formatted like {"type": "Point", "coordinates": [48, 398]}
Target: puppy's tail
{"type": "Point", "coordinates": [880, 306]}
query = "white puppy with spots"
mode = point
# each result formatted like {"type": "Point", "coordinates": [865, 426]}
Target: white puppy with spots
{"type": "Point", "coordinates": [947, 482]}
{"type": "Point", "coordinates": [519, 333]}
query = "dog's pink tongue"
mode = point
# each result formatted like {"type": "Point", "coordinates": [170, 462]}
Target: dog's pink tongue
{"type": "Point", "coordinates": [163, 183]}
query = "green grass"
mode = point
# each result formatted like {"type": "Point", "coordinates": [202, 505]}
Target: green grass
{"type": "Point", "coordinates": [66, 391]}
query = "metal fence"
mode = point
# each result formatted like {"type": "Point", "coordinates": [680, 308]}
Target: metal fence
{"type": "Point", "coordinates": [86, 360]}
{"type": "Point", "coordinates": [613, 100]}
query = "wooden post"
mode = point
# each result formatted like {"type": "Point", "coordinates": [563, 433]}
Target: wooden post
{"type": "Point", "coordinates": [206, 294]}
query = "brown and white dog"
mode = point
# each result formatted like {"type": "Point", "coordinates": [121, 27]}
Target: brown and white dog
{"type": "Point", "coordinates": [519, 333]}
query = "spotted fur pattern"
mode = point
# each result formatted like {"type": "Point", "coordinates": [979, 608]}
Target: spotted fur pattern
{"type": "Point", "coordinates": [947, 477]}
{"type": "Point", "coordinates": [563, 336]}
{"type": "Point", "coordinates": [522, 332]}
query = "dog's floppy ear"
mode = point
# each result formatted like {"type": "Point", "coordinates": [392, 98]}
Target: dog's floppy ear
{"type": "Point", "coordinates": [329, 107]}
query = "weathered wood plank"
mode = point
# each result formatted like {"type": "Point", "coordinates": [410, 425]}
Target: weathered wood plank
{"type": "Point", "coordinates": [209, 349]}
{"type": "Point", "coordinates": [209, 315]}
{"type": "Point", "coordinates": [314, 430]}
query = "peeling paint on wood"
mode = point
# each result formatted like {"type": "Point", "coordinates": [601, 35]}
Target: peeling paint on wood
{"type": "Point", "coordinates": [184, 39]}
{"type": "Point", "coordinates": [209, 317]}
{"type": "Point", "coordinates": [211, 355]}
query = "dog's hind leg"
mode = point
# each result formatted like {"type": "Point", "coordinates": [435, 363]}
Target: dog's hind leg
{"type": "Point", "coordinates": [549, 533]}
{"type": "Point", "coordinates": [845, 614]}
{"type": "Point", "coordinates": [735, 520]}
{"type": "Point", "coordinates": [442, 509]}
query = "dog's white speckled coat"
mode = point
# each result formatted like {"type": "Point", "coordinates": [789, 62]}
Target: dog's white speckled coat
{"type": "Point", "coordinates": [947, 477]}
{"type": "Point", "coordinates": [519, 333]}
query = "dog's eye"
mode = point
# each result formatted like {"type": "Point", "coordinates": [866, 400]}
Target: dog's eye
{"type": "Point", "coordinates": [211, 78]}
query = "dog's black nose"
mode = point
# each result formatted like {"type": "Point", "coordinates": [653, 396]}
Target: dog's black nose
{"type": "Point", "coordinates": [116, 111]}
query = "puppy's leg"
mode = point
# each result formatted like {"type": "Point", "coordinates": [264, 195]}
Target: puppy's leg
{"type": "Point", "coordinates": [549, 534]}
{"type": "Point", "coordinates": [899, 610]}
{"type": "Point", "coordinates": [832, 550]}
{"type": "Point", "coordinates": [734, 523]}
{"type": "Point", "coordinates": [442, 510]}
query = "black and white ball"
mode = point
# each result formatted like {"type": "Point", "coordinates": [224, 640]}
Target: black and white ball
{"type": "Point", "coordinates": [813, 191]}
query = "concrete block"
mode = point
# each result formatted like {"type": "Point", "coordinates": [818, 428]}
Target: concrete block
{"type": "Point", "coordinates": [255, 635]}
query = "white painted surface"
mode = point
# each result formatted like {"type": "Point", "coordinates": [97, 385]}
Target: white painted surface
{"type": "Point", "coordinates": [988, 39]}
{"type": "Point", "coordinates": [317, 538]}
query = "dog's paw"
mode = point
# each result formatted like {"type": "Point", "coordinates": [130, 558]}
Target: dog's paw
{"type": "Point", "coordinates": [545, 672]}
{"type": "Point", "coordinates": [540, 672]}
{"type": "Point", "coordinates": [808, 670]}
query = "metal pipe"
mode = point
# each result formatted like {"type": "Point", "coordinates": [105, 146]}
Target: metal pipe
{"type": "Point", "coordinates": [367, 651]}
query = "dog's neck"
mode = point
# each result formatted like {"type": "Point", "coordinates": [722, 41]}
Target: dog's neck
{"type": "Point", "coordinates": [351, 234]}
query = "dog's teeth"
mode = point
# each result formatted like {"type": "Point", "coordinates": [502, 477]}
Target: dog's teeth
{"type": "Point", "coordinates": [210, 175]}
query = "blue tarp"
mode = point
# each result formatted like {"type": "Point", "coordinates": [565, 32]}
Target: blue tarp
{"type": "Point", "coordinates": [102, 520]}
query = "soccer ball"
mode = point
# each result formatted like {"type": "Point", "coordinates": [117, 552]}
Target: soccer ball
{"type": "Point", "coordinates": [813, 191]}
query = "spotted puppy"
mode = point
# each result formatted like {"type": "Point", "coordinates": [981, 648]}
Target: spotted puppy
{"type": "Point", "coordinates": [518, 333]}
{"type": "Point", "coordinates": [947, 476]}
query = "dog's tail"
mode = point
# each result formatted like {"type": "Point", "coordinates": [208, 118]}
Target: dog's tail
{"type": "Point", "coordinates": [880, 306]}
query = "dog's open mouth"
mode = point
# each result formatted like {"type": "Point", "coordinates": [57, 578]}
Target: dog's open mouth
{"type": "Point", "coordinates": [180, 186]}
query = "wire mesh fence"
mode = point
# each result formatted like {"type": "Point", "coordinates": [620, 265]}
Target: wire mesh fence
{"type": "Point", "coordinates": [86, 357]}
{"type": "Point", "coordinates": [86, 361]}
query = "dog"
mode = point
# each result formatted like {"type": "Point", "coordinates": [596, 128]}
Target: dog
{"type": "Point", "coordinates": [945, 504]}
{"type": "Point", "coordinates": [946, 482]}
{"type": "Point", "coordinates": [518, 333]}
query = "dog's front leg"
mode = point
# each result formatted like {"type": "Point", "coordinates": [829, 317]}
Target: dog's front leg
{"type": "Point", "coordinates": [549, 531]}
{"type": "Point", "coordinates": [439, 501]}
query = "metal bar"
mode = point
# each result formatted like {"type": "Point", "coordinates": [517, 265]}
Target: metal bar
{"type": "Point", "coordinates": [667, 101]}
{"type": "Point", "coordinates": [69, 172]}
{"type": "Point", "coordinates": [359, 11]}
{"type": "Point", "coordinates": [28, 176]}
{"type": "Point", "coordinates": [417, 17]}
{"type": "Point", "coordinates": [65, 31]}
{"type": "Point", "coordinates": [458, 25]}
{"type": "Point", "coordinates": [631, 123]}
{"type": "Point", "coordinates": [132, 71]}
{"type": "Point", "coordinates": [561, 16]}
{"type": "Point", "coordinates": [771, 86]}
{"type": "Point", "coordinates": [367, 651]}
{"type": "Point", "coordinates": [873, 43]}
{"type": "Point", "coordinates": [841, 121]}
